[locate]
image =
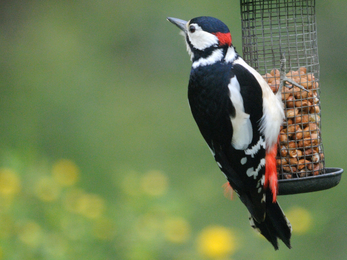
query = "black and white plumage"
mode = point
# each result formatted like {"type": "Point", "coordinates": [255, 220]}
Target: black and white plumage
{"type": "Point", "coordinates": [239, 117]}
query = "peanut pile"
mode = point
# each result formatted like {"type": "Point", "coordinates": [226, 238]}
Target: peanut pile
{"type": "Point", "coordinates": [300, 150]}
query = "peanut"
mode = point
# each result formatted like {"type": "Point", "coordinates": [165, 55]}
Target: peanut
{"type": "Point", "coordinates": [283, 137]}
{"type": "Point", "coordinates": [302, 164]}
{"type": "Point", "coordinates": [292, 113]}
{"type": "Point", "coordinates": [314, 109]}
{"type": "Point", "coordinates": [290, 102]}
{"type": "Point", "coordinates": [293, 161]}
{"type": "Point", "coordinates": [303, 119]}
{"type": "Point", "coordinates": [275, 73]}
{"type": "Point", "coordinates": [284, 151]}
{"type": "Point", "coordinates": [282, 161]}
{"type": "Point", "coordinates": [302, 70]}
{"type": "Point", "coordinates": [293, 153]}
{"type": "Point", "coordinates": [267, 77]}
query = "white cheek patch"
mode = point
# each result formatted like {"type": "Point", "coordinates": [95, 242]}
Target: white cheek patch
{"type": "Point", "coordinates": [201, 39]}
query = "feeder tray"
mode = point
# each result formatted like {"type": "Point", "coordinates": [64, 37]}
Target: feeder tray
{"type": "Point", "coordinates": [279, 40]}
{"type": "Point", "coordinates": [329, 179]}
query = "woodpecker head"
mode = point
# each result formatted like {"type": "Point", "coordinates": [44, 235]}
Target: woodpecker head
{"type": "Point", "coordinates": [204, 35]}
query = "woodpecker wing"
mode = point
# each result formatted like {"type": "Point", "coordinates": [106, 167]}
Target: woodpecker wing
{"type": "Point", "coordinates": [226, 102]}
{"type": "Point", "coordinates": [250, 161]}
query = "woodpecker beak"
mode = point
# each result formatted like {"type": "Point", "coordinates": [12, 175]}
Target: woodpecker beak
{"type": "Point", "coordinates": [179, 23]}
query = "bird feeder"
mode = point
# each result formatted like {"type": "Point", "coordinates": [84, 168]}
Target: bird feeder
{"type": "Point", "coordinates": [279, 40]}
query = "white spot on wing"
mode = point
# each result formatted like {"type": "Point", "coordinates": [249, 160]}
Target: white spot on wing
{"type": "Point", "coordinates": [243, 160]}
{"type": "Point", "coordinates": [255, 148]}
{"type": "Point", "coordinates": [263, 199]}
{"type": "Point", "coordinates": [260, 184]}
{"type": "Point", "coordinates": [242, 127]}
{"type": "Point", "coordinates": [251, 172]}
{"type": "Point", "coordinates": [262, 180]}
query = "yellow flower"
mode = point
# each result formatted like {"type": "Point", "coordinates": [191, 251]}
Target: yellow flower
{"type": "Point", "coordinates": [300, 219]}
{"type": "Point", "coordinates": [176, 230]}
{"type": "Point", "coordinates": [30, 234]}
{"type": "Point", "coordinates": [65, 172]}
{"type": "Point", "coordinates": [47, 189]}
{"type": "Point", "coordinates": [154, 183]}
{"type": "Point", "coordinates": [216, 242]}
{"type": "Point", "coordinates": [9, 182]}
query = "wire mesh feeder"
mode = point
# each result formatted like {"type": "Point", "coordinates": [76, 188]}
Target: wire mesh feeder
{"type": "Point", "coordinates": [280, 34]}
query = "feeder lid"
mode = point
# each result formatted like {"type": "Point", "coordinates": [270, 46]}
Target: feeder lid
{"type": "Point", "coordinates": [329, 179]}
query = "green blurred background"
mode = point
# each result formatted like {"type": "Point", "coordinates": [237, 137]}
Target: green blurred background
{"type": "Point", "coordinates": [100, 157]}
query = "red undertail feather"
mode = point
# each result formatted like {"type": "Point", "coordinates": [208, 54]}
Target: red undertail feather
{"type": "Point", "coordinates": [271, 172]}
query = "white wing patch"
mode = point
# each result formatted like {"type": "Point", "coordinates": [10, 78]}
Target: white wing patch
{"type": "Point", "coordinates": [273, 113]}
{"type": "Point", "coordinates": [242, 127]}
{"type": "Point", "coordinates": [251, 172]}
{"type": "Point", "coordinates": [260, 184]}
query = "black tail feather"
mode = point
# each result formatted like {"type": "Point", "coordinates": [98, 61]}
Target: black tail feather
{"type": "Point", "coordinates": [266, 230]}
{"type": "Point", "coordinates": [275, 224]}
{"type": "Point", "coordinates": [280, 222]}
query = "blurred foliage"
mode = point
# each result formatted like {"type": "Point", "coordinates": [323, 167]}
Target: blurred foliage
{"type": "Point", "coordinates": [100, 157]}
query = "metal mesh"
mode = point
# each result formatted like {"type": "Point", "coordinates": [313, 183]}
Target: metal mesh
{"type": "Point", "coordinates": [271, 30]}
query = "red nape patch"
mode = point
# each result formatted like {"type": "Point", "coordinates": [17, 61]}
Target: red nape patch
{"type": "Point", "coordinates": [271, 172]}
{"type": "Point", "coordinates": [224, 38]}
{"type": "Point", "coordinates": [228, 191]}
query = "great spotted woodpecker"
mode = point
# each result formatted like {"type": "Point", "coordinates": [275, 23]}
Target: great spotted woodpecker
{"type": "Point", "coordinates": [239, 117]}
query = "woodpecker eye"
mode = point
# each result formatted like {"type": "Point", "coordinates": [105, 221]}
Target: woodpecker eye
{"type": "Point", "coordinates": [192, 28]}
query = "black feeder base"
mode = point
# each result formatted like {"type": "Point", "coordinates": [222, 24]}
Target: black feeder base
{"type": "Point", "coordinates": [329, 179]}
